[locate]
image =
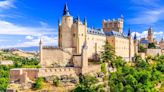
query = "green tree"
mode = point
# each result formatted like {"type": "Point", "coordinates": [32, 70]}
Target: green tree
{"type": "Point", "coordinates": [87, 84]}
{"type": "Point", "coordinates": [151, 45]}
{"type": "Point", "coordinates": [39, 83]}
{"type": "Point", "coordinates": [107, 56]}
{"type": "Point", "coordinates": [142, 48]}
{"type": "Point", "coordinates": [56, 82]}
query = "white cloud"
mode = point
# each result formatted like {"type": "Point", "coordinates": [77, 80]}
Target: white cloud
{"type": "Point", "coordinates": [148, 17]}
{"type": "Point", "coordinates": [29, 37]}
{"type": "Point", "coordinates": [146, 2]}
{"type": "Point", "coordinates": [144, 34]}
{"type": "Point", "coordinates": [12, 29]}
{"type": "Point", "coordinates": [6, 4]}
{"type": "Point", "coordinates": [47, 41]}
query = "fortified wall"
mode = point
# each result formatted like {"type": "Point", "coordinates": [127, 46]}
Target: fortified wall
{"type": "Point", "coordinates": [24, 75]}
{"type": "Point", "coordinates": [55, 57]}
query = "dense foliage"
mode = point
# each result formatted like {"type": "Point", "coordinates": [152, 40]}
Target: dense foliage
{"type": "Point", "coordinates": [4, 75]}
{"type": "Point", "coordinates": [39, 83]}
{"type": "Point", "coordinates": [87, 84]}
{"type": "Point", "coordinates": [19, 62]}
{"type": "Point", "coordinates": [151, 45]}
{"type": "Point", "coordinates": [142, 48]}
{"type": "Point", "coordinates": [142, 77]}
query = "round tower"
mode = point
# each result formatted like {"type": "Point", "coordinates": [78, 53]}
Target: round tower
{"type": "Point", "coordinates": [65, 29]}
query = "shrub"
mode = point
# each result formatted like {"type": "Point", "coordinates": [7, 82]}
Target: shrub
{"type": "Point", "coordinates": [38, 83]}
{"type": "Point", "coordinates": [56, 82]}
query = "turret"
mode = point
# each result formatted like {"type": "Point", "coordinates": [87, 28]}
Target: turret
{"type": "Point", "coordinates": [130, 40]}
{"type": "Point", "coordinates": [135, 44]}
{"type": "Point", "coordinates": [84, 58]}
{"type": "Point", "coordinates": [85, 21]}
{"type": "Point", "coordinates": [66, 11]}
{"type": "Point", "coordinates": [40, 51]}
{"type": "Point", "coordinates": [65, 29]}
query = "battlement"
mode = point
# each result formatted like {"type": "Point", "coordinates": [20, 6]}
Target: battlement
{"type": "Point", "coordinates": [44, 72]}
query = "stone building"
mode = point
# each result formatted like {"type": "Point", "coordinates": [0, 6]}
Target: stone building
{"type": "Point", "coordinates": [73, 34]}
{"type": "Point", "coordinates": [78, 43]}
{"type": "Point", "coordinates": [161, 44]}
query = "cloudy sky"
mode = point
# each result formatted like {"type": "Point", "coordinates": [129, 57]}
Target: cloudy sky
{"type": "Point", "coordinates": [24, 22]}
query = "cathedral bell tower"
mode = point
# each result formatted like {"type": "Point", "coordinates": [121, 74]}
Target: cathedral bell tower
{"type": "Point", "coordinates": [65, 32]}
{"type": "Point", "coordinates": [150, 35]}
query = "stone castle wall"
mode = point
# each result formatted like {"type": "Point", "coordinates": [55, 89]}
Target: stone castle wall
{"type": "Point", "coordinates": [70, 71]}
{"type": "Point", "coordinates": [121, 46]}
{"type": "Point", "coordinates": [153, 52]}
{"type": "Point", "coordinates": [17, 75]}
{"type": "Point", "coordinates": [21, 75]}
{"type": "Point", "coordinates": [95, 44]}
{"type": "Point", "coordinates": [55, 57]}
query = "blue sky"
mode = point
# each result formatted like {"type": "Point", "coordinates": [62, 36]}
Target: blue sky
{"type": "Point", "coordinates": [23, 22]}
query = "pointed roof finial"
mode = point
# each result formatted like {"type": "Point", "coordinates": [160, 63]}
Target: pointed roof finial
{"type": "Point", "coordinates": [129, 32]}
{"type": "Point", "coordinates": [135, 36]}
{"type": "Point", "coordinates": [162, 39]}
{"type": "Point", "coordinates": [66, 10]}
{"type": "Point", "coordinates": [85, 21]}
{"type": "Point", "coordinates": [40, 42]}
{"type": "Point", "coordinates": [78, 18]}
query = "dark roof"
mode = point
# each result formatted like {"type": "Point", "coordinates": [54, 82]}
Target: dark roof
{"type": "Point", "coordinates": [66, 11]}
{"type": "Point", "coordinates": [135, 36]}
{"type": "Point", "coordinates": [114, 33]}
{"type": "Point", "coordinates": [95, 31]}
{"type": "Point", "coordinates": [129, 32]}
{"type": "Point", "coordinates": [144, 42]}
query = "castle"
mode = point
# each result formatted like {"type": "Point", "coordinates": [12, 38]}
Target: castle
{"type": "Point", "coordinates": [77, 45]}
{"type": "Point", "coordinates": [74, 36]}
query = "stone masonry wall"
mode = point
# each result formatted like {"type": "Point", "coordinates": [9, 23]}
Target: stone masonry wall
{"type": "Point", "coordinates": [55, 57]}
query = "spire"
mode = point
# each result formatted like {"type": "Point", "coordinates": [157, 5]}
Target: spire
{"type": "Point", "coordinates": [78, 18]}
{"type": "Point", "coordinates": [40, 42]}
{"type": "Point", "coordinates": [150, 29]}
{"type": "Point", "coordinates": [135, 36]}
{"type": "Point", "coordinates": [85, 21]}
{"type": "Point", "coordinates": [66, 11]}
{"type": "Point", "coordinates": [129, 32]}
{"type": "Point", "coordinates": [59, 22]}
{"type": "Point", "coordinates": [162, 39]}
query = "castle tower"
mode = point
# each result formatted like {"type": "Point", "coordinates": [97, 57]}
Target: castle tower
{"type": "Point", "coordinates": [84, 58]}
{"type": "Point", "coordinates": [113, 25]}
{"type": "Point", "coordinates": [79, 30]}
{"type": "Point", "coordinates": [150, 35]}
{"type": "Point", "coordinates": [65, 33]}
{"type": "Point", "coordinates": [135, 44]}
{"type": "Point", "coordinates": [40, 51]}
{"type": "Point", "coordinates": [130, 40]}
{"type": "Point", "coordinates": [59, 34]}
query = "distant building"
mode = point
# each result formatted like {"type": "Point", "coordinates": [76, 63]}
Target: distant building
{"type": "Point", "coordinates": [161, 44]}
{"type": "Point", "coordinates": [6, 62]}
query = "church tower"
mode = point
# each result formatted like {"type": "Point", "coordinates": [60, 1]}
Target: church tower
{"type": "Point", "coordinates": [150, 35]}
{"type": "Point", "coordinates": [65, 33]}
{"type": "Point", "coordinates": [40, 51]}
